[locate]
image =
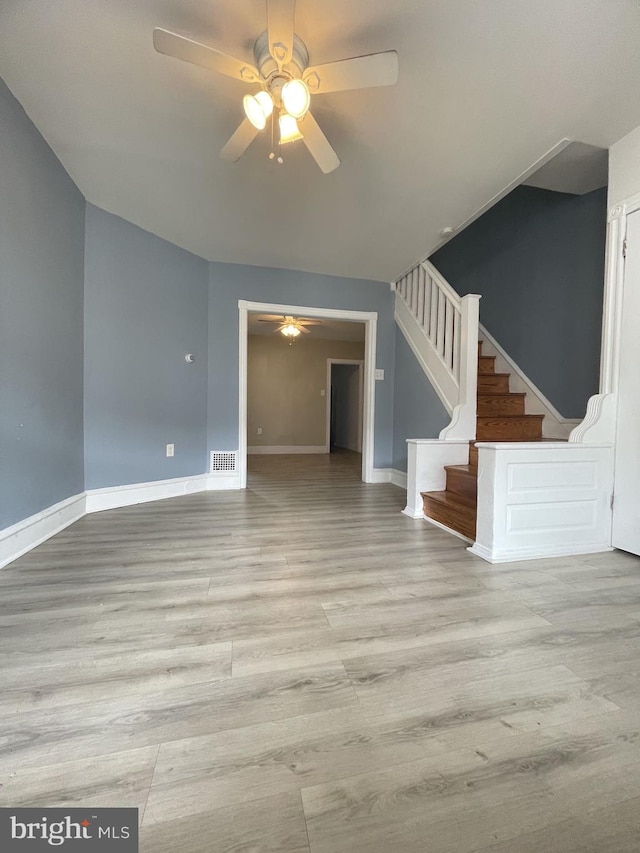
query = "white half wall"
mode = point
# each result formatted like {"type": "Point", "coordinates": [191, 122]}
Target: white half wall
{"type": "Point", "coordinates": [426, 458]}
{"type": "Point", "coordinates": [543, 499]}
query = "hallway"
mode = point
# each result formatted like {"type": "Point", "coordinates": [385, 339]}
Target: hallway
{"type": "Point", "coordinates": [299, 667]}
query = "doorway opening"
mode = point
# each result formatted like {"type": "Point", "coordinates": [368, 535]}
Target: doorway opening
{"type": "Point", "coordinates": [344, 405]}
{"type": "Point", "coordinates": [298, 397]}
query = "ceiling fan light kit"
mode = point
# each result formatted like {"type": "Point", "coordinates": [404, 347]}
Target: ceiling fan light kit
{"type": "Point", "coordinates": [282, 68]}
{"type": "Point", "coordinates": [289, 130]}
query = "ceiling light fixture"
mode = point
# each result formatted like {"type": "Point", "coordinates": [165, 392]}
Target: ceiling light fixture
{"type": "Point", "coordinates": [258, 108]}
{"type": "Point", "coordinates": [296, 98]}
{"type": "Point", "coordinates": [289, 130]}
{"type": "Point", "coordinates": [290, 331]}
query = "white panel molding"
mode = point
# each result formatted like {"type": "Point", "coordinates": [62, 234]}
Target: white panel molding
{"type": "Point", "coordinates": [370, 320]}
{"type": "Point", "coordinates": [554, 425]}
{"type": "Point", "coordinates": [426, 458]}
{"type": "Point", "coordinates": [543, 499]}
{"type": "Point", "coordinates": [282, 449]}
{"type": "Point", "coordinates": [136, 493]}
{"type": "Point", "coordinates": [30, 532]}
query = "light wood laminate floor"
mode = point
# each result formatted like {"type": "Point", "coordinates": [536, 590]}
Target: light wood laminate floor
{"type": "Point", "coordinates": [299, 667]}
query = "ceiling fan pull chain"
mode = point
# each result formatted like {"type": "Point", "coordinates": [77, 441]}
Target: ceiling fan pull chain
{"type": "Point", "coordinates": [273, 125]}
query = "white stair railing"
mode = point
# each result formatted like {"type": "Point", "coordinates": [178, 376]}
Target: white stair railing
{"type": "Point", "coordinates": [442, 330]}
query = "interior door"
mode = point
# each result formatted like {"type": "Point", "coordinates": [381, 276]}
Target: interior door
{"type": "Point", "coordinates": [626, 507]}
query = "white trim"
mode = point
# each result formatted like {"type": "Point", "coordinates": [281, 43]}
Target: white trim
{"type": "Point", "coordinates": [223, 482]}
{"type": "Point", "coordinates": [444, 527]}
{"type": "Point", "coordinates": [518, 554]}
{"type": "Point", "coordinates": [276, 449]}
{"type": "Point", "coordinates": [390, 475]}
{"type": "Point", "coordinates": [137, 493]}
{"type": "Point", "coordinates": [327, 392]}
{"type": "Point", "coordinates": [554, 424]}
{"type": "Point", "coordinates": [30, 532]}
{"type": "Point", "coordinates": [243, 334]}
{"type": "Point", "coordinates": [370, 320]}
{"type": "Point", "coordinates": [399, 478]}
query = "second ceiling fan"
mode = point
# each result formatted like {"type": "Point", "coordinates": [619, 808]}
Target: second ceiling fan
{"type": "Point", "coordinates": [287, 82]}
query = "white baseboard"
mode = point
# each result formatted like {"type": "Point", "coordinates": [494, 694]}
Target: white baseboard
{"type": "Point", "coordinates": [223, 482]}
{"type": "Point", "coordinates": [399, 478]}
{"type": "Point", "coordinates": [448, 530]}
{"type": "Point", "coordinates": [284, 449]}
{"type": "Point", "coordinates": [137, 493]}
{"type": "Point", "coordinates": [411, 514]}
{"type": "Point", "coordinates": [554, 424]}
{"type": "Point", "coordinates": [26, 534]}
{"type": "Point", "coordinates": [518, 554]}
{"type": "Point", "coordinates": [390, 475]}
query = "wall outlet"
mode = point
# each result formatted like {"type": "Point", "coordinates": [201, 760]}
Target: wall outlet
{"type": "Point", "coordinates": [322, 393]}
{"type": "Point", "coordinates": [259, 430]}
{"type": "Point", "coordinates": [171, 450]}
{"type": "Point", "coordinates": [379, 373]}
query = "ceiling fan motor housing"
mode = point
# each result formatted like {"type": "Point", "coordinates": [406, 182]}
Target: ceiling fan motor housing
{"type": "Point", "coordinates": [268, 67]}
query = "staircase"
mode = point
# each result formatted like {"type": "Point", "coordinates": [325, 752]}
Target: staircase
{"type": "Point", "coordinates": [500, 417]}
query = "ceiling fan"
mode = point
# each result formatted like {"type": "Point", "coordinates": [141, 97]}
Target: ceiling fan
{"type": "Point", "coordinates": [286, 82]}
{"type": "Point", "coordinates": [290, 327]}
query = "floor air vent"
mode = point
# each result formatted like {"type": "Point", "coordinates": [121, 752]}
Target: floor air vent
{"type": "Point", "coordinates": [222, 462]}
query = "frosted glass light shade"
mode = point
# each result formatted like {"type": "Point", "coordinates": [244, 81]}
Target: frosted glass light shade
{"type": "Point", "coordinates": [289, 130]}
{"type": "Point", "coordinates": [296, 98]}
{"type": "Point", "coordinates": [258, 108]}
{"type": "Point", "coordinates": [290, 331]}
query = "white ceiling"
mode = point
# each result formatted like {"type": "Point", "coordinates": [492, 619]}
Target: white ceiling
{"type": "Point", "coordinates": [329, 330]}
{"type": "Point", "coordinates": [577, 169]}
{"type": "Point", "coordinates": [486, 88]}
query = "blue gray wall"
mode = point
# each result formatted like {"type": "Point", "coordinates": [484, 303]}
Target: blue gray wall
{"type": "Point", "coordinates": [41, 279]}
{"type": "Point", "coordinates": [231, 282]}
{"type": "Point", "coordinates": [145, 308]}
{"type": "Point", "coordinates": [537, 258]}
{"type": "Point", "coordinates": [417, 409]}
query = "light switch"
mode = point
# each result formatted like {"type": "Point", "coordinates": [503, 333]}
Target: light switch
{"type": "Point", "coordinates": [171, 449]}
{"type": "Point", "coordinates": [379, 373]}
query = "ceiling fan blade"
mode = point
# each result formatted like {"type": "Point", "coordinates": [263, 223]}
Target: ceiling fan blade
{"type": "Point", "coordinates": [280, 27]}
{"type": "Point", "coordinates": [318, 145]}
{"type": "Point", "coordinates": [182, 47]}
{"type": "Point", "coordinates": [239, 142]}
{"type": "Point", "coordinates": [360, 72]}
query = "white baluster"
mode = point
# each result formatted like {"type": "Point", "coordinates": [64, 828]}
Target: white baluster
{"type": "Point", "coordinates": [448, 336]}
{"type": "Point", "coordinates": [440, 331]}
{"type": "Point", "coordinates": [456, 346]}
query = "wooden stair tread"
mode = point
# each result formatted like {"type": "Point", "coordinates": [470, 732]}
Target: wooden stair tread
{"type": "Point", "coordinates": [501, 393]}
{"type": "Point", "coordinates": [451, 499]}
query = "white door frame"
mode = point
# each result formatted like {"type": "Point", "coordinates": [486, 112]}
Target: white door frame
{"type": "Point", "coordinates": [360, 364]}
{"type": "Point", "coordinates": [599, 424]}
{"type": "Point", "coordinates": [370, 320]}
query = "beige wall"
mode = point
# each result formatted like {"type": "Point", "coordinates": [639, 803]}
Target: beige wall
{"type": "Point", "coordinates": [283, 389]}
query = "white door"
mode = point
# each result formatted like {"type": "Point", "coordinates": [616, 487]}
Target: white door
{"type": "Point", "coordinates": [626, 508]}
